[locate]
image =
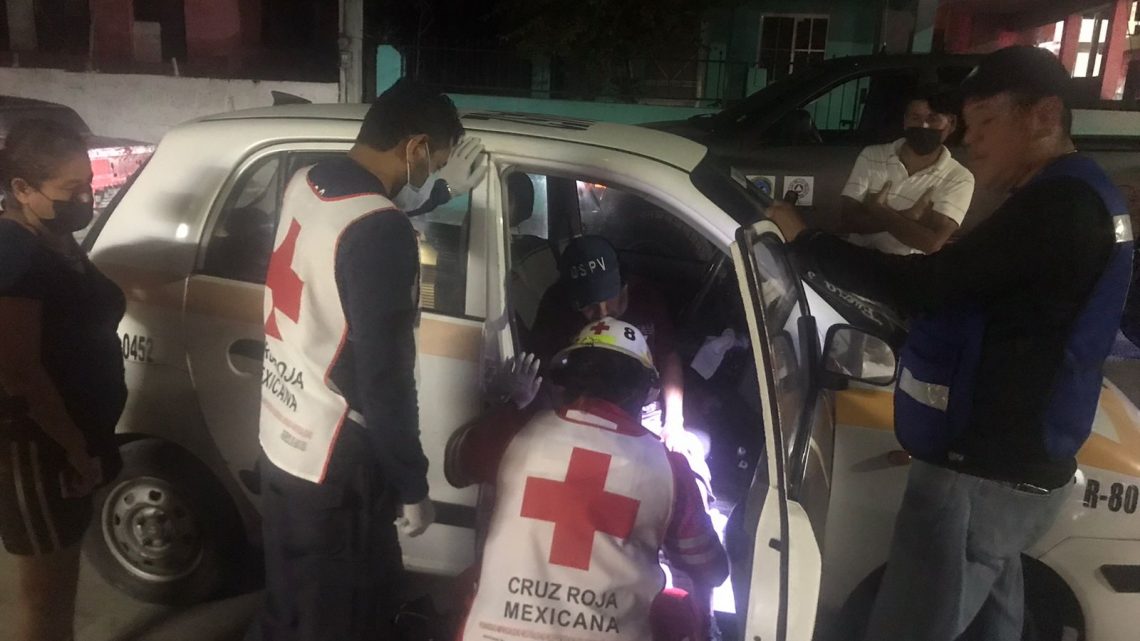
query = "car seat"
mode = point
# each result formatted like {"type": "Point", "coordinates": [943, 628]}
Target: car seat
{"type": "Point", "coordinates": [242, 250]}
{"type": "Point", "coordinates": [534, 266]}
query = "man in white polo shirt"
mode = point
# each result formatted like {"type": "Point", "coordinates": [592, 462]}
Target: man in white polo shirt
{"type": "Point", "coordinates": [909, 196]}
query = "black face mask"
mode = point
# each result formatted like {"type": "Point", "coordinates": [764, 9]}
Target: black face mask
{"type": "Point", "coordinates": [923, 141]}
{"type": "Point", "coordinates": [70, 215]}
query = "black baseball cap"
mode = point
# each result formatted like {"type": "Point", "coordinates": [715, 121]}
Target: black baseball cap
{"type": "Point", "coordinates": [590, 270]}
{"type": "Point", "coordinates": [1027, 71]}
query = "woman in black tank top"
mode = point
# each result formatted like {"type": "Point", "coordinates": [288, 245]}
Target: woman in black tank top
{"type": "Point", "coordinates": [61, 370]}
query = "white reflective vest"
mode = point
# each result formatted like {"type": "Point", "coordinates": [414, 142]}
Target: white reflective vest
{"type": "Point", "coordinates": [305, 328]}
{"type": "Point", "coordinates": [572, 549]}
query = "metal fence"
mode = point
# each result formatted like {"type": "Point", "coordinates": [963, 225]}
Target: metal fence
{"type": "Point", "coordinates": [695, 82]}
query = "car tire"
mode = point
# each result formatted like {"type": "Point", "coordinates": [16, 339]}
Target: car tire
{"type": "Point", "coordinates": [164, 531]}
{"type": "Point", "coordinates": [1052, 612]}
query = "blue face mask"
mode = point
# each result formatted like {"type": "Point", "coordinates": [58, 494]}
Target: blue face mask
{"type": "Point", "coordinates": [412, 197]}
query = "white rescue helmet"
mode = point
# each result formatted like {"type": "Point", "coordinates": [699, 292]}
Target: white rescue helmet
{"type": "Point", "coordinates": [614, 335]}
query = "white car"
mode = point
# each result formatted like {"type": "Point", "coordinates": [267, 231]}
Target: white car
{"type": "Point", "coordinates": [812, 477]}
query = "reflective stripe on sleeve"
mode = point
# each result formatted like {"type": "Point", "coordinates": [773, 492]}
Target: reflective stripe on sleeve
{"type": "Point", "coordinates": [931, 395]}
{"type": "Point", "coordinates": [1122, 228]}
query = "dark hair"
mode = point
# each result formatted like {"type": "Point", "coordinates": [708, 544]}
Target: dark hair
{"type": "Point", "coordinates": [942, 100]}
{"type": "Point", "coordinates": [1029, 74]}
{"type": "Point", "coordinates": [34, 150]}
{"type": "Point", "coordinates": [601, 373]}
{"type": "Point", "coordinates": [409, 108]}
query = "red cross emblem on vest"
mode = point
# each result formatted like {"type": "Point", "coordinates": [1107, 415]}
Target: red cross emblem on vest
{"type": "Point", "coordinates": [284, 284]}
{"type": "Point", "coordinates": [579, 507]}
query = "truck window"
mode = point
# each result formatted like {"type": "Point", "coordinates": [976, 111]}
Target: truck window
{"type": "Point", "coordinates": [841, 108]}
{"type": "Point", "coordinates": [863, 110]}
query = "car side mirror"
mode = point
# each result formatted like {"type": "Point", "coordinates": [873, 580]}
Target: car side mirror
{"type": "Point", "coordinates": [851, 354]}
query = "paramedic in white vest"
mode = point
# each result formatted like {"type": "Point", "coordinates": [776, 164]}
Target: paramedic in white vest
{"type": "Point", "coordinates": [343, 466]}
{"type": "Point", "coordinates": [586, 498]}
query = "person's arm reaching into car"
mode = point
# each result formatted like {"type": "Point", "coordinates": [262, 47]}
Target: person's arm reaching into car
{"type": "Point", "coordinates": [377, 262]}
{"type": "Point", "coordinates": [691, 543]}
{"type": "Point", "coordinates": [986, 264]}
{"type": "Point", "coordinates": [669, 364]}
{"type": "Point", "coordinates": [473, 452]}
{"type": "Point", "coordinates": [673, 391]}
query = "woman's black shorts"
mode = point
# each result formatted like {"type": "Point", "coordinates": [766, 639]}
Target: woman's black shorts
{"type": "Point", "coordinates": [34, 517]}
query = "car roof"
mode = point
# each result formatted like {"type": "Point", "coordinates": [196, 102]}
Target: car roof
{"type": "Point", "coordinates": [15, 108]}
{"type": "Point", "coordinates": [671, 149]}
{"type": "Point", "coordinates": [16, 101]}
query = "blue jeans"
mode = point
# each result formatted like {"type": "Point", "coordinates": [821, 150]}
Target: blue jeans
{"type": "Point", "coordinates": [956, 557]}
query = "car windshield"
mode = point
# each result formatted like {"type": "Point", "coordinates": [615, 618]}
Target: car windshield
{"type": "Point", "coordinates": [730, 189]}
{"type": "Point", "coordinates": [746, 203]}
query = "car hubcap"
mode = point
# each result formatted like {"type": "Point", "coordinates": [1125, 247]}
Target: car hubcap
{"type": "Point", "coordinates": [150, 530]}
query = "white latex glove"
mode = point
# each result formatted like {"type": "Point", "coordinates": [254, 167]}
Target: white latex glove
{"type": "Point", "coordinates": [414, 519]}
{"type": "Point", "coordinates": [516, 381]}
{"type": "Point", "coordinates": [464, 168]}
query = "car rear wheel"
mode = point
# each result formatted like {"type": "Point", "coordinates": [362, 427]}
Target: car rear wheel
{"type": "Point", "coordinates": [164, 531]}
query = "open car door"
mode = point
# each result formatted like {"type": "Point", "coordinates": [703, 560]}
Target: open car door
{"type": "Point", "coordinates": [777, 580]}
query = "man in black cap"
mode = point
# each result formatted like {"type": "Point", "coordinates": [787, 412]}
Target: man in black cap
{"type": "Point", "coordinates": [1001, 372]}
{"type": "Point", "coordinates": [592, 287]}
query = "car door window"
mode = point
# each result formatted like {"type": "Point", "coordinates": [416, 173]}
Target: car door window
{"type": "Point", "coordinates": [443, 235]}
{"type": "Point", "coordinates": [780, 293]}
{"type": "Point", "coordinates": [242, 239]}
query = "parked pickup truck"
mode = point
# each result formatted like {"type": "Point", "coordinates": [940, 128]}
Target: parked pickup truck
{"type": "Point", "coordinates": [113, 160]}
{"type": "Point", "coordinates": [858, 101]}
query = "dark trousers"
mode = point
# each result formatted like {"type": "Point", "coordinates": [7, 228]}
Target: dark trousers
{"type": "Point", "coordinates": [333, 567]}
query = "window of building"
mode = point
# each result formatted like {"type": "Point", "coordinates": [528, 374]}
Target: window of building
{"type": "Point", "coordinates": [1086, 49]}
{"type": "Point", "coordinates": [791, 42]}
{"type": "Point", "coordinates": [159, 31]}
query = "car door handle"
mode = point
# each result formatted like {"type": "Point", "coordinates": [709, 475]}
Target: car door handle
{"type": "Point", "coordinates": [250, 352]}
{"type": "Point", "coordinates": [898, 457]}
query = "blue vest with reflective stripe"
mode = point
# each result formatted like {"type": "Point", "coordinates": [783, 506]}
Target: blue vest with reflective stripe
{"type": "Point", "coordinates": [941, 355]}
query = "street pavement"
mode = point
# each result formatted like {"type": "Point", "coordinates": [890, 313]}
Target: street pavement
{"type": "Point", "coordinates": [105, 614]}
